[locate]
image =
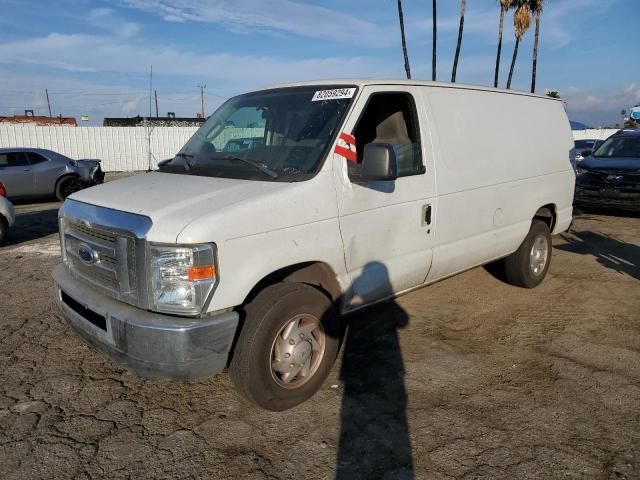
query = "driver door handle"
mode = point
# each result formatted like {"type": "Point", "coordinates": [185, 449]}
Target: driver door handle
{"type": "Point", "coordinates": [427, 216]}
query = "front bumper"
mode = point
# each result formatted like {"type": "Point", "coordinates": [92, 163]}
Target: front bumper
{"type": "Point", "coordinates": [151, 344]}
{"type": "Point", "coordinates": [90, 173]}
{"type": "Point", "coordinates": [605, 199]}
{"type": "Point", "coordinates": [7, 211]}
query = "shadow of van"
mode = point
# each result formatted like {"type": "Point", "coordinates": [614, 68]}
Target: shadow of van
{"type": "Point", "coordinates": [374, 434]}
{"type": "Point", "coordinates": [616, 255]}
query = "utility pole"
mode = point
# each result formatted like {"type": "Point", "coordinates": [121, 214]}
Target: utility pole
{"type": "Point", "coordinates": [155, 92]}
{"type": "Point", "coordinates": [46, 92]}
{"type": "Point", "coordinates": [202, 87]}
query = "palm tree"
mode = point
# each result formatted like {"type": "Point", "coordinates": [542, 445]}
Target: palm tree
{"type": "Point", "coordinates": [521, 22]}
{"type": "Point", "coordinates": [463, 4]}
{"type": "Point", "coordinates": [435, 37]}
{"type": "Point", "coordinates": [505, 5]}
{"type": "Point", "coordinates": [404, 41]}
{"type": "Point", "coordinates": [553, 94]}
{"type": "Point", "coordinates": [536, 7]}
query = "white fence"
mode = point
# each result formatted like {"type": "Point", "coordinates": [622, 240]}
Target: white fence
{"type": "Point", "coordinates": [128, 149]}
{"type": "Point", "coordinates": [594, 133]}
{"type": "Point", "coordinates": [123, 149]}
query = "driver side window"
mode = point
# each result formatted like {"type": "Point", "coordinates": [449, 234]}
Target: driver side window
{"type": "Point", "coordinates": [390, 118]}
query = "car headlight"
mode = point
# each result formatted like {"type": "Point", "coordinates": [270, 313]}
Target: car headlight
{"type": "Point", "coordinates": [182, 277]}
{"type": "Point", "coordinates": [580, 171]}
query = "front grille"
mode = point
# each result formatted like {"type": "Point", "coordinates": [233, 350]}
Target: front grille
{"type": "Point", "coordinates": [112, 255]}
{"type": "Point", "coordinates": [102, 269]}
{"type": "Point", "coordinates": [106, 248]}
{"type": "Point", "coordinates": [92, 233]}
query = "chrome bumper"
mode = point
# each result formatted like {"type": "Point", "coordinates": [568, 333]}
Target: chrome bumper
{"type": "Point", "coordinates": [151, 344]}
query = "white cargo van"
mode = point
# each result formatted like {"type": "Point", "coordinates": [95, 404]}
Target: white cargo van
{"type": "Point", "coordinates": [293, 205]}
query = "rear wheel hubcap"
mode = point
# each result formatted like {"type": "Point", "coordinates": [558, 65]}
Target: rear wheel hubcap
{"type": "Point", "coordinates": [538, 255]}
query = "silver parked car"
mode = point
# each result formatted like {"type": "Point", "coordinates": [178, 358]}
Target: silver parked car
{"type": "Point", "coordinates": [7, 214]}
{"type": "Point", "coordinates": [34, 172]}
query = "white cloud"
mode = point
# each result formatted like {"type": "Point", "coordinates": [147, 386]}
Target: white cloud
{"type": "Point", "coordinates": [74, 98]}
{"type": "Point", "coordinates": [281, 15]}
{"type": "Point", "coordinates": [70, 52]}
{"type": "Point", "coordinates": [599, 107]}
{"type": "Point", "coordinates": [104, 18]}
{"type": "Point", "coordinates": [100, 13]}
{"type": "Point", "coordinates": [130, 107]}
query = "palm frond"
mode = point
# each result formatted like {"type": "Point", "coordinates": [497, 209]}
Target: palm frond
{"type": "Point", "coordinates": [522, 19]}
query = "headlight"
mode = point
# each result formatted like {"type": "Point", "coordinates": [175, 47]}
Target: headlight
{"type": "Point", "coordinates": [182, 278]}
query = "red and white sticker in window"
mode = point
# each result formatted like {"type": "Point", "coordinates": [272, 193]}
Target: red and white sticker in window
{"type": "Point", "coordinates": [346, 147]}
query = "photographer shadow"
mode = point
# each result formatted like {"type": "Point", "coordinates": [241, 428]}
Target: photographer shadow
{"type": "Point", "coordinates": [374, 433]}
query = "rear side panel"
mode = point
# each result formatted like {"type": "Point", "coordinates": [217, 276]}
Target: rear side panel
{"type": "Point", "coordinates": [500, 157]}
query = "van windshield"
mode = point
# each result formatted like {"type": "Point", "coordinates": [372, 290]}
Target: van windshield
{"type": "Point", "coordinates": [272, 135]}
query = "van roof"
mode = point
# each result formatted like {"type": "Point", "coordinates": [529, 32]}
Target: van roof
{"type": "Point", "coordinates": [362, 82]}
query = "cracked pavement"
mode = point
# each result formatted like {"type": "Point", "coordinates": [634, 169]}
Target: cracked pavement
{"type": "Point", "coordinates": [479, 380]}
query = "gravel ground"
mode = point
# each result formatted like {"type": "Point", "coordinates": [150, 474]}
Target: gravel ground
{"type": "Point", "coordinates": [468, 378]}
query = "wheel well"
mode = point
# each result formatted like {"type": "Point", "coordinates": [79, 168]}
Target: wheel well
{"type": "Point", "coordinates": [318, 274]}
{"type": "Point", "coordinates": [66, 175]}
{"type": "Point", "coordinates": [547, 214]}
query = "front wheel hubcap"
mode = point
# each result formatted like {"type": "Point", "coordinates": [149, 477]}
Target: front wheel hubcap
{"type": "Point", "coordinates": [297, 351]}
{"type": "Point", "coordinates": [538, 255]}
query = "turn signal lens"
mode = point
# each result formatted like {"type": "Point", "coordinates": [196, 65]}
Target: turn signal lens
{"type": "Point", "coordinates": [205, 272]}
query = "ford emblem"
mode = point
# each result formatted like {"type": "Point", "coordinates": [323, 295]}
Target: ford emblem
{"type": "Point", "coordinates": [87, 254]}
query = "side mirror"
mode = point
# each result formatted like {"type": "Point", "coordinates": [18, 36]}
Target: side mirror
{"type": "Point", "coordinates": [379, 163]}
{"type": "Point", "coordinates": [586, 153]}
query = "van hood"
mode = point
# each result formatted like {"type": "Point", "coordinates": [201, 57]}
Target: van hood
{"type": "Point", "coordinates": [173, 201]}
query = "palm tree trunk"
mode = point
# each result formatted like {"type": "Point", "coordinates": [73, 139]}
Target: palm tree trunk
{"type": "Point", "coordinates": [404, 42]}
{"type": "Point", "coordinates": [513, 62]}
{"type": "Point", "coordinates": [463, 4]}
{"type": "Point", "coordinates": [500, 28]}
{"type": "Point", "coordinates": [535, 55]}
{"type": "Point", "coordinates": [435, 37]}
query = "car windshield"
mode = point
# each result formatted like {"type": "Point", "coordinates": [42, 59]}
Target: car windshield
{"type": "Point", "coordinates": [272, 135]}
{"type": "Point", "coordinates": [622, 146]}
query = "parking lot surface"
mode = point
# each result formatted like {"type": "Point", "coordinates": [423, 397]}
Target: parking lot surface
{"type": "Point", "coordinates": [468, 378]}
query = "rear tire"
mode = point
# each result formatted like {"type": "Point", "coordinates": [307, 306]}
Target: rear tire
{"type": "Point", "coordinates": [528, 265]}
{"type": "Point", "coordinates": [287, 346]}
{"type": "Point", "coordinates": [66, 186]}
{"type": "Point", "coordinates": [4, 230]}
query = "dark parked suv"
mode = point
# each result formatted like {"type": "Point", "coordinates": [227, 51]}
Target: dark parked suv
{"type": "Point", "coordinates": [610, 176]}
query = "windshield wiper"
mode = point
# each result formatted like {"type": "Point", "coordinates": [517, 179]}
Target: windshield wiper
{"type": "Point", "coordinates": [259, 166]}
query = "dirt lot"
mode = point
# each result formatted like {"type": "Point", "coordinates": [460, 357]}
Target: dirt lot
{"type": "Point", "coordinates": [469, 378]}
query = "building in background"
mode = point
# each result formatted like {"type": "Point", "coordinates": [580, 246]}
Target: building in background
{"type": "Point", "coordinates": [38, 120]}
{"type": "Point", "coordinates": [169, 121]}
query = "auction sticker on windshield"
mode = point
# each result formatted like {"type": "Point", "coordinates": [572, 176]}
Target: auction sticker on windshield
{"type": "Point", "coordinates": [334, 94]}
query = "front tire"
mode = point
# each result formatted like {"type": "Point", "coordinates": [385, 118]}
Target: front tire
{"type": "Point", "coordinates": [528, 265]}
{"type": "Point", "coordinates": [287, 346]}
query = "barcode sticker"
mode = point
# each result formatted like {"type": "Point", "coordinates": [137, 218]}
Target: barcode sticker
{"type": "Point", "coordinates": [334, 94]}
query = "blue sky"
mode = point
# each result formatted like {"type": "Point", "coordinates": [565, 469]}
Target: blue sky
{"type": "Point", "coordinates": [94, 55]}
